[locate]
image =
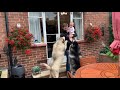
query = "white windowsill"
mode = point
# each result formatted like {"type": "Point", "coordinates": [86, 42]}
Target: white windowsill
{"type": "Point", "coordinates": [38, 44]}
{"type": "Point", "coordinates": [81, 41]}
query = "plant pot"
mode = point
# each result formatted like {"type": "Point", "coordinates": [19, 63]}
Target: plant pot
{"type": "Point", "coordinates": [104, 58]}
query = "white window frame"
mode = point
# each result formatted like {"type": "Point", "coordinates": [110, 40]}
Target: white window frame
{"type": "Point", "coordinates": [71, 19]}
{"type": "Point", "coordinates": [43, 23]}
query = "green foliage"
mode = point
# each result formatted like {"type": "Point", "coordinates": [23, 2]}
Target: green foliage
{"type": "Point", "coordinates": [106, 50]}
{"type": "Point", "coordinates": [36, 69]}
{"type": "Point", "coordinates": [92, 34]}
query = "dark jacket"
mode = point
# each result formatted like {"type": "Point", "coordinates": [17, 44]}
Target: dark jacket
{"type": "Point", "coordinates": [66, 35]}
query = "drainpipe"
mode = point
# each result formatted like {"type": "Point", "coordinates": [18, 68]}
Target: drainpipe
{"type": "Point", "coordinates": [9, 51]}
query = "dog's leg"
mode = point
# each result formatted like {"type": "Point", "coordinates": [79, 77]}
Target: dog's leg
{"type": "Point", "coordinates": [65, 44]}
{"type": "Point", "coordinates": [50, 74]}
{"type": "Point", "coordinates": [47, 66]}
{"type": "Point", "coordinates": [55, 74]}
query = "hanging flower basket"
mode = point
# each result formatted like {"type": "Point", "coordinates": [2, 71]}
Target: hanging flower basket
{"type": "Point", "coordinates": [20, 39]}
{"type": "Point", "coordinates": [92, 34]}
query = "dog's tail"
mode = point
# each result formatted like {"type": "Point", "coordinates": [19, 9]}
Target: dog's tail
{"type": "Point", "coordinates": [46, 65]}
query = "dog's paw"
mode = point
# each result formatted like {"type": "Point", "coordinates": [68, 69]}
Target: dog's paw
{"type": "Point", "coordinates": [80, 56]}
{"type": "Point", "coordinates": [42, 64]}
{"type": "Point", "coordinates": [45, 65]}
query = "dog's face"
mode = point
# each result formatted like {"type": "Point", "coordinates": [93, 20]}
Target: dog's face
{"type": "Point", "coordinates": [62, 39]}
{"type": "Point", "coordinates": [74, 44]}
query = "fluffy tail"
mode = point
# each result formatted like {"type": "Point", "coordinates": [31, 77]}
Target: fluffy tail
{"type": "Point", "coordinates": [47, 66]}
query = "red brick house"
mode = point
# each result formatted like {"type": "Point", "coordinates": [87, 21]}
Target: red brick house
{"type": "Point", "coordinates": [46, 27]}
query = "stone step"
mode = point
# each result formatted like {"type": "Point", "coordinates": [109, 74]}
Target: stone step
{"type": "Point", "coordinates": [46, 73]}
{"type": "Point", "coordinates": [63, 77]}
{"type": "Point", "coordinates": [4, 73]}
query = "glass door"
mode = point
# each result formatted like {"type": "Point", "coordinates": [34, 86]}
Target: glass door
{"type": "Point", "coordinates": [54, 22]}
{"type": "Point", "coordinates": [52, 31]}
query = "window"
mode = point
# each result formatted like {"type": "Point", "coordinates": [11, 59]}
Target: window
{"type": "Point", "coordinates": [78, 21]}
{"type": "Point", "coordinates": [36, 26]}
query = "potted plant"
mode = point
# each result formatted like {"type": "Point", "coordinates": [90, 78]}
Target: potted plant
{"type": "Point", "coordinates": [36, 70]}
{"type": "Point", "coordinates": [107, 55]}
{"type": "Point", "coordinates": [92, 33]}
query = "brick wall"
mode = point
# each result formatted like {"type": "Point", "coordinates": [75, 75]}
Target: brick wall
{"type": "Point", "coordinates": [97, 19]}
{"type": "Point", "coordinates": [39, 54]}
{"type": "Point", "coordinates": [28, 61]}
{"type": "Point", "coordinates": [3, 59]}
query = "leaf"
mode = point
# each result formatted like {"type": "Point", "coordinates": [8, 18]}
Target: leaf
{"type": "Point", "coordinates": [111, 55]}
{"type": "Point", "coordinates": [114, 57]}
{"type": "Point", "coordinates": [108, 53]}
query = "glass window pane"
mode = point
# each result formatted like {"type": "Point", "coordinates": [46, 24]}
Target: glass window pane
{"type": "Point", "coordinates": [51, 22]}
{"type": "Point", "coordinates": [64, 19]}
{"type": "Point", "coordinates": [77, 14]}
{"type": "Point", "coordinates": [51, 38]}
{"type": "Point", "coordinates": [36, 28]}
{"type": "Point", "coordinates": [78, 27]}
{"type": "Point", "coordinates": [37, 14]}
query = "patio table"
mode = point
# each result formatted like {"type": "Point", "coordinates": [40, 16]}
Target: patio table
{"type": "Point", "coordinates": [98, 70]}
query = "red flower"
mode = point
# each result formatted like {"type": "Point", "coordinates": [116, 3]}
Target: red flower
{"type": "Point", "coordinates": [92, 34]}
{"type": "Point", "coordinates": [115, 51]}
{"type": "Point", "coordinates": [21, 32]}
{"type": "Point", "coordinates": [12, 30]}
{"type": "Point", "coordinates": [24, 44]}
{"type": "Point", "coordinates": [28, 51]}
{"type": "Point", "coordinates": [7, 40]}
{"type": "Point", "coordinates": [27, 36]}
{"type": "Point", "coordinates": [19, 43]}
{"type": "Point", "coordinates": [27, 30]}
{"type": "Point", "coordinates": [14, 48]}
{"type": "Point", "coordinates": [20, 38]}
{"type": "Point", "coordinates": [11, 42]}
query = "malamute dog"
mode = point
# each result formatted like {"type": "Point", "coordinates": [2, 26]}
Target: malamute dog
{"type": "Point", "coordinates": [74, 57]}
{"type": "Point", "coordinates": [58, 56]}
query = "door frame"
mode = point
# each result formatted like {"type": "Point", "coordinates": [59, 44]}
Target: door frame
{"type": "Point", "coordinates": [58, 35]}
{"type": "Point", "coordinates": [58, 22]}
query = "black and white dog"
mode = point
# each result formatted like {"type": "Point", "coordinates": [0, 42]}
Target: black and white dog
{"type": "Point", "coordinates": [74, 57]}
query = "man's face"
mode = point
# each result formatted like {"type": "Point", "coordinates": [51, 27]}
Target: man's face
{"type": "Point", "coordinates": [65, 28]}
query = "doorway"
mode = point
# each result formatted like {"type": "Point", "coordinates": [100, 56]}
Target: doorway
{"type": "Point", "coordinates": [54, 22]}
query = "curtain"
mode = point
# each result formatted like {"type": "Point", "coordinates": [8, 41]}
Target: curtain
{"type": "Point", "coordinates": [78, 28]}
{"type": "Point", "coordinates": [116, 30]}
{"type": "Point", "coordinates": [35, 29]}
{"type": "Point", "coordinates": [36, 14]}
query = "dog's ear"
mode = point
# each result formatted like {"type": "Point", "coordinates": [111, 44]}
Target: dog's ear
{"type": "Point", "coordinates": [63, 39]}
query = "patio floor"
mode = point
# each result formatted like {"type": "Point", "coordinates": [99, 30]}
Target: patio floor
{"type": "Point", "coordinates": [46, 73]}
